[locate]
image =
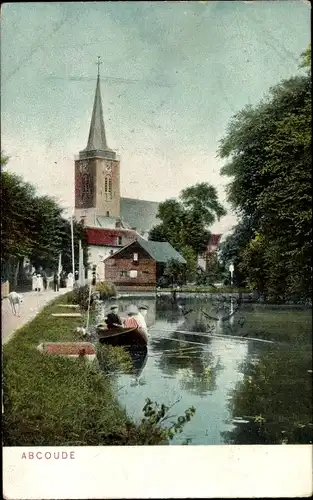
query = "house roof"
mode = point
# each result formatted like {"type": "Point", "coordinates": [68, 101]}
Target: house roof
{"type": "Point", "coordinates": [139, 214]}
{"type": "Point", "coordinates": [160, 251]}
{"type": "Point", "coordinates": [107, 236]}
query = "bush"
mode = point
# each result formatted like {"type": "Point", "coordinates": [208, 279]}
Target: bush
{"type": "Point", "coordinates": [106, 290]}
{"type": "Point", "coordinates": [113, 359]}
{"type": "Point", "coordinates": [152, 431]}
{"type": "Point", "coordinates": [80, 296]}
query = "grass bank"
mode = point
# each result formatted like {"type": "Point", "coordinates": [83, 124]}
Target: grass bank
{"type": "Point", "coordinates": [54, 401]}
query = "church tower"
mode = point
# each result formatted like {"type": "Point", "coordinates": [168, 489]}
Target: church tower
{"type": "Point", "coordinates": [97, 171]}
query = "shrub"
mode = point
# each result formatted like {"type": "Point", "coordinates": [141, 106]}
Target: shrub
{"type": "Point", "coordinates": [106, 290]}
{"type": "Point", "coordinates": [80, 296]}
{"type": "Point", "coordinates": [113, 359]}
{"type": "Point", "coordinates": [151, 430]}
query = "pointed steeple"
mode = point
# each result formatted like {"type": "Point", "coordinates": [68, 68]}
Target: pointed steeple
{"type": "Point", "coordinates": [97, 143]}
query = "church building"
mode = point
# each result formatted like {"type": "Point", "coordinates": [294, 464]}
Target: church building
{"type": "Point", "coordinates": [111, 221]}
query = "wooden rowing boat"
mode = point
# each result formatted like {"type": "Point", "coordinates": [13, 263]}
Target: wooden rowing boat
{"type": "Point", "coordinates": [121, 336]}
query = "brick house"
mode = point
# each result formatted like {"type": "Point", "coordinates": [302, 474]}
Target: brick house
{"type": "Point", "coordinates": [104, 241]}
{"type": "Point", "coordinates": [139, 265]}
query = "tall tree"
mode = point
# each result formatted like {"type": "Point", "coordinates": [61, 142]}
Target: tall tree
{"type": "Point", "coordinates": [268, 148]}
{"type": "Point", "coordinates": [32, 226]}
{"type": "Point", "coordinates": [185, 222]}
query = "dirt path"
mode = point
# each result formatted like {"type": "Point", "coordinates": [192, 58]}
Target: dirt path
{"type": "Point", "coordinates": [33, 303]}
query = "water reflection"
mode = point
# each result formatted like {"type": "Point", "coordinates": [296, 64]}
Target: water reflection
{"type": "Point", "coordinates": [275, 399]}
{"type": "Point", "coordinates": [139, 357]}
{"type": "Point", "coordinates": [245, 391]}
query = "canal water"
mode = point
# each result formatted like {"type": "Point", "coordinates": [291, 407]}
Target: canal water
{"type": "Point", "coordinates": [245, 368]}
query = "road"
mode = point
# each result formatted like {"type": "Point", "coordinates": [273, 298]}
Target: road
{"type": "Point", "coordinates": [33, 303]}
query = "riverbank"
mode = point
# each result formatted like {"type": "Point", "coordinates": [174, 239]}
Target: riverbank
{"type": "Point", "coordinates": [244, 295]}
{"type": "Point", "coordinates": [57, 401]}
{"type": "Point", "coordinates": [54, 401]}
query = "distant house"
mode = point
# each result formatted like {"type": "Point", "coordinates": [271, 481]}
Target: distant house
{"type": "Point", "coordinates": [139, 265]}
{"type": "Point", "coordinates": [214, 242]}
{"type": "Point", "coordinates": [109, 236]}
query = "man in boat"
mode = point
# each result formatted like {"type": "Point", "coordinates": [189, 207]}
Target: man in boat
{"type": "Point", "coordinates": [141, 318]}
{"type": "Point", "coordinates": [113, 320]}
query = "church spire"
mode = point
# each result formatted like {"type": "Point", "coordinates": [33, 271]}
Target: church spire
{"type": "Point", "coordinates": [97, 139]}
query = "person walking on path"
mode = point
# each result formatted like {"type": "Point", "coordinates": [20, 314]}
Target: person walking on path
{"type": "Point", "coordinates": [56, 282]}
{"type": "Point", "coordinates": [39, 283]}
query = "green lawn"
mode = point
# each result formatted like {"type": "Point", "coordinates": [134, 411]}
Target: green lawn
{"type": "Point", "coordinates": [58, 401]}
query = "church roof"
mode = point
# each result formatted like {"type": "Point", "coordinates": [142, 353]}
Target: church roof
{"type": "Point", "coordinates": [110, 222]}
{"type": "Point", "coordinates": [139, 214]}
{"type": "Point", "coordinates": [97, 139]}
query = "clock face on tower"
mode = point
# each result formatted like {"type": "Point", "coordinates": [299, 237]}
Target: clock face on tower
{"type": "Point", "coordinates": [83, 167]}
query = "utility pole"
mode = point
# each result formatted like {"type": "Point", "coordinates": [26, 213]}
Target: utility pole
{"type": "Point", "coordinates": [72, 237]}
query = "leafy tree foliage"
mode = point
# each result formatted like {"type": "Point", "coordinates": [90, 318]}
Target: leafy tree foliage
{"type": "Point", "coordinates": [32, 226]}
{"type": "Point", "coordinates": [230, 250]}
{"type": "Point", "coordinates": [174, 272]}
{"type": "Point", "coordinates": [268, 148]}
{"type": "Point", "coordinates": [186, 221]}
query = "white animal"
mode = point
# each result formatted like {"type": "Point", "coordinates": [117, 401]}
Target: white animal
{"type": "Point", "coordinates": [15, 300]}
{"type": "Point", "coordinates": [82, 331]}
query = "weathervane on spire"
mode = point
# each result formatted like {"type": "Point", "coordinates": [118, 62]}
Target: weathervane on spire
{"type": "Point", "coordinates": [98, 64]}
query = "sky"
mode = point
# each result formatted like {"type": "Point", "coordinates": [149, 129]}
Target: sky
{"type": "Point", "coordinates": [173, 74]}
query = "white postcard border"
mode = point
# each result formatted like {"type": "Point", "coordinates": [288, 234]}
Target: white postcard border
{"type": "Point", "coordinates": [157, 472]}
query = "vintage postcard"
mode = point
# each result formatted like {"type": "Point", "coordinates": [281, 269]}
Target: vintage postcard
{"type": "Point", "coordinates": [156, 273]}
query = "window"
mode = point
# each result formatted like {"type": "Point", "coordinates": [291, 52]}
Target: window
{"type": "Point", "coordinates": [108, 214]}
{"type": "Point", "coordinates": [86, 187]}
{"type": "Point", "coordinates": [123, 273]}
{"type": "Point", "coordinates": [111, 252]}
{"type": "Point", "coordinates": [108, 188]}
{"type": "Point", "coordinates": [133, 274]}
{"type": "Point", "coordinates": [119, 240]}
{"type": "Point", "coordinates": [135, 257]}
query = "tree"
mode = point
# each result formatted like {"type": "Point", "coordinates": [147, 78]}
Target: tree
{"type": "Point", "coordinates": [185, 222]}
{"type": "Point", "coordinates": [32, 226]}
{"type": "Point", "coordinates": [268, 148]}
{"type": "Point", "coordinates": [174, 272]}
{"type": "Point", "coordinates": [232, 248]}
{"type": "Point", "coordinates": [46, 233]}
{"type": "Point", "coordinates": [306, 58]}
